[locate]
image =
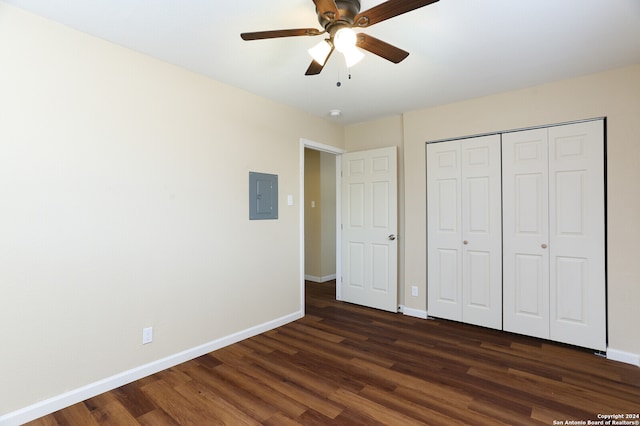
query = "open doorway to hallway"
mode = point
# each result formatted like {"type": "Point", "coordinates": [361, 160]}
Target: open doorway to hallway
{"type": "Point", "coordinates": [320, 218]}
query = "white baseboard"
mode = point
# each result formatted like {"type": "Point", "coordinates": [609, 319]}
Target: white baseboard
{"type": "Point", "coordinates": [418, 313]}
{"type": "Point", "coordinates": [67, 399]}
{"type": "Point", "coordinates": [320, 279]}
{"type": "Point", "coordinates": [622, 356]}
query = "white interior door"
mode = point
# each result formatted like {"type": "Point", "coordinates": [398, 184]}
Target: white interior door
{"type": "Point", "coordinates": [369, 229]}
{"type": "Point", "coordinates": [464, 256]}
{"type": "Point", "coordinates": [481, 231]}
{"type": "Point", "coordinates": [576, 212]}
{"type": "Point", "coordinates": [526, 232]}
{"type": "Point", "coordinates": [444, 231]}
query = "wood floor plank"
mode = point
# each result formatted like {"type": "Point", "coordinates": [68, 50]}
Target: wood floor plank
{"type": "Point", "coordinates": [114, 414]}
{"type": "Point", "coordinates": [156, 417]}
{"type": "Point", "coordinates": [284, 367]}
{"type": "Point", "coordinates": [44, 421]}
{"type": "Point", "coordinates": [215, 405]}
{"type": "Point", "coordinates": [372, 409]}
{"type": "Point", "coordinates": [134, 400]}
{"type": "Point", "coordinates": [419, 412]}
{"type": "Point", "coordinates": [267, 340]}
{"type": "Point", "coordinates": [344, 364]}
{"type": "Point", "coordinates": [239, 397]}
{"type": "Point", "coordinates": [285, 404]}
{"type": "Point", "coordinates": [77, 414]}
{"type": "Point", "coordinates": [181, 409]}
{"type": "Point", "coordinates": [294, 391]}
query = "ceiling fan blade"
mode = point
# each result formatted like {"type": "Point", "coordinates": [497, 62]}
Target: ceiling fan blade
{"type": "Point", "coordinates": [387, 10]}
{"type": "Point", "coordinates": [315, 68]}
{"type": "Point", "coordinates": [260, 35]}
{"type": "Point", "coordinates": [381, 48]}
{"type": "Point", "coordinates": [327, 8]}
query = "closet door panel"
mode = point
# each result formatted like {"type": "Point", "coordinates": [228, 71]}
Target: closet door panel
{"type": "Point", "coordinates": [481, 232]}
{"type": "Point", "coordinates": [525, 232]}
{"type": "Point", "coordinates": [576, 211]}
{"type": "Point", "coordinates": [444, 261]}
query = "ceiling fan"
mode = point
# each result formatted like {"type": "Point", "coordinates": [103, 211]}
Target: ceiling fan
{"type": "Point", "coordinates": [338, 18]}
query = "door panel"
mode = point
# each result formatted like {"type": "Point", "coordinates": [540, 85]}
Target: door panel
{"type": "Point", "coordinates": [525, 232]}
{"type": "Point", "coordinates": [577, 265]}
{"type": "Point", "coordinates": [355, 265]}
{"type": "Point", "coordinates": [481, 231]}
{"type": "Point", "coordinates": [446, 277]}
{"type": "Point", "coordinates": [369, 218]}
{"type": "Point", "coordinates": [531, 296]}
{"type": "Point", "coordinates": [464, 231]}
{"type": "Point", "coordinates": [554, 231]}
{"type": "Point", "coordinates": [444, 235]}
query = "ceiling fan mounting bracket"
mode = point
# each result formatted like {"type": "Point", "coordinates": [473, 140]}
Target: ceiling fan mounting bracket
{"type": "Point", "coordinates": [347, 11]}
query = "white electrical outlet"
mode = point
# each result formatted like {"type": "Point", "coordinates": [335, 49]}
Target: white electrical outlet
{"type": "Point", "coordinates": [414, 291]}
{"type": "Point", "coordinates": [147, 335]}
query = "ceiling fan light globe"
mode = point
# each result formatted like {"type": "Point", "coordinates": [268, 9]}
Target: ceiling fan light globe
{"type": "Point", "coordinates": [345, 39]}
{"type": "Point", "coordinates": [352, 56]}
{"type": "Point", "coordinates": [320, 52]}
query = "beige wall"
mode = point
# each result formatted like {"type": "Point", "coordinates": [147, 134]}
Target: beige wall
{"type": "Point", "coordinates": [312, 215]}
{"type": "Point", "coordinates": [328, 212]}
{"type": "Point", "coordinates": [615, 95]}
{"type": "Point", "coordinates": [124, 188]}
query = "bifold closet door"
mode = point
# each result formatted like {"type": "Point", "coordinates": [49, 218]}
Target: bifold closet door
{"type": "Point", "coordinates": [444, 231]}
{"type": "Point", "coordinates": [464, 231]}
{"type": "Point", "coordinates": [553, 228]}
{"type": "Point", "coordinates": [577, 229]}
{"type": "Point", "coordinates": [525, 200]}
{"type": "Point", "coordinates": [481, 232]}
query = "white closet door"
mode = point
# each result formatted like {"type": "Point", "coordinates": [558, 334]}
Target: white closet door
{"type": "Point", "coordinates": [444, 234]}
{"type": "Point", "coordinates": [481, 232]}
{"type": "Point", "coordinates": [576, 212]}
{"type": "Point", "coordinates": [464, 231]}
{"type": "Point", "coordinates": [525, 232]}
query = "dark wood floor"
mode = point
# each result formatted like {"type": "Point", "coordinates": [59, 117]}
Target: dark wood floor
{"type": "Point", "coordinates": [348, 365]}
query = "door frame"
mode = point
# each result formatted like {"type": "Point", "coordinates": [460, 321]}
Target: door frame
{"type": "Point", "coordinates": [337, 152]}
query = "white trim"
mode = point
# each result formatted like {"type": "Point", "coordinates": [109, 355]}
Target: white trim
{"type": "Point", "coordinates": [320, 279]}
{"type": "Point", "coordinates": [338, 227]}
{"type": "Point", "coordinates": [69, 398]}
{"type": "Point", "coordinates": [305, 143]}
{"type": "Point", "coordinates": [410, 312]}
{"type": "Point", "coordinates": [622, 356]}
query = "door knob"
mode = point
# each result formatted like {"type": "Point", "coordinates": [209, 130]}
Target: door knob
{"type": "Point", "coordinates": [392, 237]}
{"type": "Point", "coordinates": [544, 246]}
{"type": "Point", "coordinates": [465, 242]}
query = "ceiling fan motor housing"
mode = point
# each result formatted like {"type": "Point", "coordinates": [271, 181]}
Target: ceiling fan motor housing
{"type": "Point", "coordinates": [347, 9]}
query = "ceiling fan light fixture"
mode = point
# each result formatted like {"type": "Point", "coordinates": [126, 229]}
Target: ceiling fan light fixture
{"type": "Point", "coordinates": [345, 39]}
{"type": "Point", "coordinates": [352, 56]}
{"type": "Point", "coordinates": [320, 52]}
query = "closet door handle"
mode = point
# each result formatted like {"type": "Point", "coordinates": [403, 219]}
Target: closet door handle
{"type": "Point", "coordinates": [465, 242]}
{"type": "Point", "coordinates": [544, 246]}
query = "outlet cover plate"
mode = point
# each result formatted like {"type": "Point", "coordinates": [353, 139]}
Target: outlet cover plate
{"type": "Point", "coordinates": [147, 335]}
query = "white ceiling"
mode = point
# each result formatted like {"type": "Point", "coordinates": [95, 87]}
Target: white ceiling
{"type": "Point", "coordinates": [459, 49]}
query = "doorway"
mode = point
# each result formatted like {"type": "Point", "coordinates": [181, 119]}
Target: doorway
{"type": "Point", "coordinates": [319, 214]}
